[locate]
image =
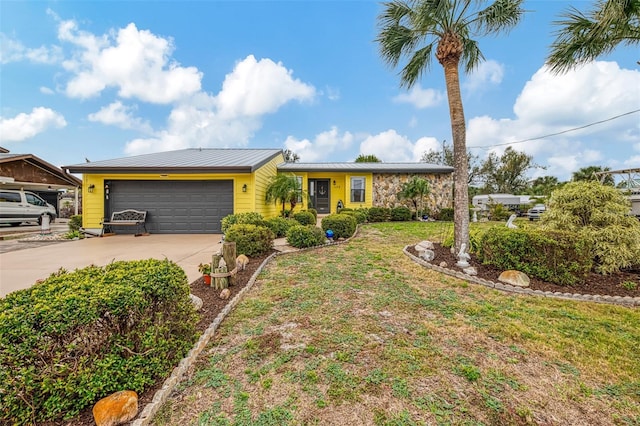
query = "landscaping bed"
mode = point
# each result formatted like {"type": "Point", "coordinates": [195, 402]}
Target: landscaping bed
{"type": "Point", "coordinates": [594, 284]}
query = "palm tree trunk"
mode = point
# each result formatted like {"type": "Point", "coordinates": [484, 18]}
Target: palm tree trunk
{"type": "Point", "coordinates": [461, 172]}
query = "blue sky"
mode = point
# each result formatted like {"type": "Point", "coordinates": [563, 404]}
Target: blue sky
{"type": "Point", "coordinates": [107, 79]}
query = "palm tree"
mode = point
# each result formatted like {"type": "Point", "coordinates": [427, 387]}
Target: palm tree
{"type": "Point", "coordinates": [589, 173]}
{"type": "Point", "coordinates": [583, 38]}
{"type": "Point", "coordinates": [418, 29]}
{"type": "Point", "coordinates": [284, 188]}
{"type": "Point", "coordinates": [415, 189]}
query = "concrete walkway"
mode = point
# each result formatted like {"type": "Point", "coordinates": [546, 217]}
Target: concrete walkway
{"type": "Point", "coordinates": [20, 269]}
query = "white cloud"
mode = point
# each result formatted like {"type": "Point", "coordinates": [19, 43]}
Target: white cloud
{"type": "Point", "coordinates": [136, 62]}
{"type": "Point", "coordinates": [120, 115]}
{"type": "Point", "coordinates": [12, 50]}
{"type": "Point", "coordinates": [323, 146]}
{"type": "Point", "coordinates": [332, 93]}
{"type": "Point", "coordinates": [554, 103]}
{"type": "Point", "coordinates": [230, 119]}
{"type": "Point", "coordinates": [420, 98]}
{"type": "Point", "coordinates": [46, 91]}
{"type": "Point", "coordinates": [256, 88]}
{"type": "Point", "coordinates": [488, 73]}
{"type": "Point", "coordinates": [388, 146]}
{"type": "Point", "coordinates": [24, 126]}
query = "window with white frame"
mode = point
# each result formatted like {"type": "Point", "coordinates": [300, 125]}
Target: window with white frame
{"type": "Point", "coordinates": [357, 189]}
{"type": "Point", "coordinates": [299, 188]}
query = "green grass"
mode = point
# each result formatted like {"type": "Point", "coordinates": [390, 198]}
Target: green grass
{"type": "Point", "coordinates": [359, 334]}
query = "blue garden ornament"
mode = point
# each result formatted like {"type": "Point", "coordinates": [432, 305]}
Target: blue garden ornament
{"type": "Point", "coordinates": [329, 234]}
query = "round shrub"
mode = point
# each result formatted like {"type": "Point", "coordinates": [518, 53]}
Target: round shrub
{"type": "Point", "coordinates": [301, 236]}
{"type": "Point", "coordinates": [251, 240]}
{"type": "Point", "coordinates": [379, 214]}
{"type": "Point", "coordinates": [279, 225]}
{"type": "Point", "coordinates": [359, 216]}
{"type": "Point", "coordinates": [314, 212]}
{"type": "Point", "coordinates": [598, 214]}
{"type": "Point", "coordinates": [305, 218]}
{"type": "Point", "coordinates": [249, 218]}
{"type": "Point", "coordinates": [79, 336]}
{"type": "Point", "coordinates": [75, 222]}
{"type": "Point", "coordinates": [342, 225]}
{"type": "Point", "coordinates": [400, 214]}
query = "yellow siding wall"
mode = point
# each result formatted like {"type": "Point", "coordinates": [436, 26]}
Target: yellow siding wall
{"type": "Point", "coordinates": [260, 181]}
{"type": "Point", "coordinates": [93, 203]}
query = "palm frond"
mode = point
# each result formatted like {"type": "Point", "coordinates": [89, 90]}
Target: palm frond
{"type": "Point", "coordinates": [419, 63]}
{"type": "Point", "coordinates": [500, 16]}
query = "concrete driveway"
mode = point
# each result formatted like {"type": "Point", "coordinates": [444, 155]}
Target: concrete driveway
{"type": "Point", "coordinates": [20, 269]}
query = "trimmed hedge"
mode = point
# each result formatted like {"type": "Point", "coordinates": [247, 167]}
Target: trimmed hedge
{"type": "Point", "coordinates": [379, 214]}
{"type": "Point", "coordinates": [279, 225]}
{"type": "Point", "coordinates": [342, 225]}
{"type": "Point", "coordinates": [302, 236]}
{"type": "Point", "coordinates": [554, 256]}
{"type": "Point", "coordinates": [314, 212]}
{"type": "Point", "coordinates": [445, 214]}
{"type": "Point", "coordinates": [251, 240]}
{"type": "Point", "coordinates": [305, 218]}
{"type": "Point", "coordinates": [401, 214]}
{"type": "Point", "coordinates": [79, 336]}
{"type": "Point", "coordinates": [249, 218]}
{"type": "Point", "coordinates": [359, 216]}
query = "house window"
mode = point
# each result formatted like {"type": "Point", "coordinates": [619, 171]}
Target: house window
{"type": "Point", "coordinates": [357, 189]}
{"type": "Point", "coordinates": [299, 188]}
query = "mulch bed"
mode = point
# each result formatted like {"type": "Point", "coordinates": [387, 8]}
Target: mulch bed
{"type": "Point", "coordinates": [594, 284]}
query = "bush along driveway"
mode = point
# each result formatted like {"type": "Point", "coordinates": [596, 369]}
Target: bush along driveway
{"type": "Point", "coordinates": [359, 334]}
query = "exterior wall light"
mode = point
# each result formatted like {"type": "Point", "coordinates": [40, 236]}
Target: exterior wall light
{"type": "Point", "coordinates": [244, 188]}
{"type": "Point", "coordinates": [91, 188]}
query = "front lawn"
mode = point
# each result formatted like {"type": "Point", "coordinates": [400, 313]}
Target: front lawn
{"type": "Point", "coordinates": [359, 334]}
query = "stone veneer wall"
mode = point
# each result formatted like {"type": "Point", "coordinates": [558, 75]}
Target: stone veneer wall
{"type": "Point", "coordinates": [387, 185]}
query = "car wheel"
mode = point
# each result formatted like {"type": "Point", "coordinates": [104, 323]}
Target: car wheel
{"type": "Point", "coordinates": [15, 223]}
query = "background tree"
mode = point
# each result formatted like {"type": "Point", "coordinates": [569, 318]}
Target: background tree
{"type": "Point", "coordinates": [290, 156]}
{"type": "Point", "coordinates": [415, 189]}
{"type": "Point", "coordinates": [587, 173]}
{"type": "Point", "coordinates": [445, 158]}
{"type": "Point", "coordinates": [284, 188]}
{"type": "Point", "coordinates": [544, 185]}
{"type": "Point", "coordinates": [582, 38]}
{"type": "Point", "coordinates": [370, 158]}
{"type": "Point", "coordinates": [419, 29]}
{"type": "Point", "coordinates": [506, 174]}
{"type": "Point", "coordinates": [599, 215]}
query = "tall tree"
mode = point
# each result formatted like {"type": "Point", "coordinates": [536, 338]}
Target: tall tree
{"type": "Point", "coordinates": [419, 29]}
{"type": "Point", "coordinates": [445, 158]}
{"type": "Point", "coordinates": [506, 174]}
{"type": "Point", "coordinates": [370, 158]}
{"type": "Point", "coordinates": [290, 156]}
{"type": "Point", "coordinates": [587, 173]}
{"type": "Point", "coordinates": [583, 37]}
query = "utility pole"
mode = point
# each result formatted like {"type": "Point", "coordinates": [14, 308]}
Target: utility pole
{"type": "Point", "coordinates": [444, 158]}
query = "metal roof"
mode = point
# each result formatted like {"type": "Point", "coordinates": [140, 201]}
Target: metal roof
{"type": "Point", "coordinates": [365, 167]}
{"type": "Point", "coordinates": [192, 160]}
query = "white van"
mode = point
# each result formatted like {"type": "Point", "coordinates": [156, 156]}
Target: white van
{"type": "Point", "coordinates": [23, 206]}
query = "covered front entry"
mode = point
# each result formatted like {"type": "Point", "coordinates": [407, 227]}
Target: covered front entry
{"type": "Point", "coordinates": [319, 193]}
{"type": "Point", "coordinates": [173, 207]}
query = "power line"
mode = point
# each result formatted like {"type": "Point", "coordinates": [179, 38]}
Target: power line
{"type": "Point", "coordinates": [558, 133]}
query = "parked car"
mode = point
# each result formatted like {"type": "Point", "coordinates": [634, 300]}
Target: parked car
{"type": "Point", "coordinates": [18, 206]}
{"type": "Point", "coordinates": [536, 211]}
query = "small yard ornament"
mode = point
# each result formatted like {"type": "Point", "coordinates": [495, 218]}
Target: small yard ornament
{"type": "Point", "coordinates": [329, 234]}
{"type": "Point", "coordinates": [510, 223]}
{"type": "Point", "coordinates": [463, 257]}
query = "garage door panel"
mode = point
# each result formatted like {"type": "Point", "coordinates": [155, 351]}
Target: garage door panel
{"type": "Point", "coordinates": [189, 207]}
